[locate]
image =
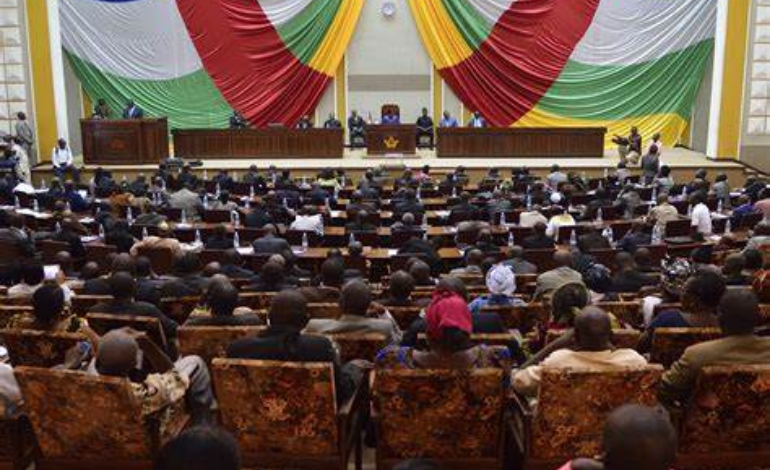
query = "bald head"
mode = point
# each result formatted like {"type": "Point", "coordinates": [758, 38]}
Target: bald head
{"type": "Point", "coordinates": [117, 354]}
{"type": "Point", "coordinates": [593, 329]}
{"type": "Point", "coordinates": [401, 285]}
{"type": "Point", "coordinates": [420, 272]}
{"type": "Point", "coordinates": [289, 310]}
{"type": "Point", "coordinates": [355, 298]}
{"type": "Point", "coordinates": [474, 257]}
{"type": "Point", "coordinates": [639, 438]}
{"type": "Point", "coordinates": [562, 259]}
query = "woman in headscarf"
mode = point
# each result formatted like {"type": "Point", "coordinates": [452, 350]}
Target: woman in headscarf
{"type": "Point", "coordinates": [501, 283]}
{"type": "Point", "coordinates": [448, 324]}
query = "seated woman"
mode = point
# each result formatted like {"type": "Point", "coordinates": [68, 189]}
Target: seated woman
{"type": "Point", "coordinates": [449, 326]}
{"type": "Point", "coordinates": [501, 283]}
{"type": "Point", "coordinates": [700, 299]}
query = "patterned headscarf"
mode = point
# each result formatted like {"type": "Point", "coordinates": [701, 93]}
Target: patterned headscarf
{"type": "Point", "coordinates": [675, 274]}
{"type": "Point", "coordinates": [501, 280]}
{"type": "Point", "coordinates": [447, 310]}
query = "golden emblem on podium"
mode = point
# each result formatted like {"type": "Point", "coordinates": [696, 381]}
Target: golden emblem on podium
{"type": "Point", "coordinates": [391, 143]}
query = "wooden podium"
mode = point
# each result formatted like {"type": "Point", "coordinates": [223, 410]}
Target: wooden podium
{"type": "Point", "coordinates": [124, 141]}
{"type": "Point", "coordinates": [389, 138]}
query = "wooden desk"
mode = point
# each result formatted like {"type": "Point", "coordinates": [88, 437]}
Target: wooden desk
{"type": "Point", "coordinates": [276, 142]}
{"type": "Point", "coordinates": [562, 142]}
{"type": "Point", "coordinates": [124, 141]}
{"type": "Point", "coordinates": [386, 138]}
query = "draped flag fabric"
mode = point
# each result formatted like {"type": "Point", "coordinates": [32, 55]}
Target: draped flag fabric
{"type": "Point", "coordinates": [195, 60]}
{"type": "Point", "coordinates": [543, 63]}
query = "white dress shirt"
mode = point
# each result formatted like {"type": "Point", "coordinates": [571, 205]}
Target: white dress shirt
{"type": "Point", "coordinates": [61, 158]}
{"type": "Point", "coordinates": [309, 223]}
{"type": "Point", "coordinates": [701, 218]}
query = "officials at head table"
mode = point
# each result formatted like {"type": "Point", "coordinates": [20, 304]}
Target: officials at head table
{"type": "Point", "coordinates": [132, 111]}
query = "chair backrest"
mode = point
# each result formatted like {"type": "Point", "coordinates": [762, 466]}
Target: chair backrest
{"type": "Point", "coordinates": [278, 407]}
{"type": "Point", "coordinates": [369, 238]}
{"type": "Point", "coordinates": [76, 415]}
{"type": "Point", "coordinates": [179, 308]}
{"type": "Point", "coordinates": [400, 237]}
{"type": "Point", "coordinates": [729, 412]}
{"type": "Point", "coordinates": [38, 348]}
{"type": "Point", "coordinates": [294, 237]}
{"type": "Point", "coordinates": [629, 313]}
{"type": "Point", "coordinates": [81, 304]}
{"type": "Point", "coordinates": [404, 316]}
{"type": "Point", "coordinates": [750, 220]}
{"type": "Point", "coordinates": [99, 253]}
{"type": "Point", "coordinates": [523, 318]}
{"type": "Point", "coordinates": [573, 406]}
{"type": "Point", "coordinates": [10, 253]}
{"type": "Point", "coordinates": [217, 216]}
{"type": "Point", "coordinates": [677, 228]}
{"type": "Point", "coordinates": [103, 323]}
{"type": "Point", "coordinates": [393, 109]}
{"type": "Point", "coordinates": [209, 342]}
{"type": "Point", "coordinates": [428, 413]}
{"type": "Point", "coordinates": [49, 249]}
{"type": "Point", "coordinates": [359, 346]}
{"type": "Point", "coordinates": [323, 310]}
{"type": "Point", "coordinates": [161, 258]}
{"type": "Point", "coordinates": [668, 344]}
{"type": "Point", "coordinates": [543, 259]}
{"type": "Point", "coordinates": [255, 300]}
{"type": "Point", "coordinates": [11, 312]}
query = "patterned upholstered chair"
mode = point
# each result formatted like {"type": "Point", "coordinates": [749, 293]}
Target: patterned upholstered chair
{"type": "Point", "coordinates": [87, 422]}
{"type": "Point", "coordinates": [359, 346]}
{"type": "Point", "coordinates": [629, 313]}
{"type": "Point", "coordinates": [210, 342]}
{"type": "Point", "coordinates": [668, 344]}
{"type": "Point", "coordinates": [323, 310]}
{"type": "Point", "coordinates": [404, 316]}
{"type": "Point", "coordinates": [621, 338]}
{"type": "Point", "coordinates": [454, 417]}
{"type": "Point", "coordinates": [726, 424]}
{"type": "Point", "coordinates": [81, 304]}
{"type": "Point", "coordinates": [523, 318]}
{"type": "Point", "coordinates": [390, 108]}
{"type": "Point", "coordinates": [38, 348]}
{"type": "Point", "coordinates": [179, 308]}
{"type": "Point", "coordinates": [285, 415]}
{"type": "Point", "coordinates": [571, 410]}
{"type": "Point", "coordinates": [17, 442]}
{"type": "Point", "coordinates": [8, 313]}
{"type": "Point", "coordinates": [102, 323]}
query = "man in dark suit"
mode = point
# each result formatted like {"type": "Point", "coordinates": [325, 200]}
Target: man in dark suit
{"type": "Point", "coordinates": [357, 129]}
{"type": "Point", "coordinates": [232, 265]}
{"type": "Point", "coordinates": [539, 240]}
{"type": "Point", "coordinates": [132, 111]}
{"type": "Point", "coordinates": [222, 299]}
{"type": "Point", "coordinates": [591, 240]}
{"type": "Point", "coordinates": [17, 236]}
{"type": "Point", "coordinates": [408, 204]}
{"type": "Point", "coordinates": [270, 243]}
{"type": "Point", "coordinates": [283, 340]}
{"type": "Point", "coordinates": [465, 207]}
{"type": "Point", "coordinates": [259, 216]}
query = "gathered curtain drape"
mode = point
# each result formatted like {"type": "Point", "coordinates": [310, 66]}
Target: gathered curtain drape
{"type": "Point", "coordinates": [611, 63]}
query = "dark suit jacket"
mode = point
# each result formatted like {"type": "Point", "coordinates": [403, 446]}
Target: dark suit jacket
{"type": "Point", "coordinates": [258, 218]}
{"type": "Point", "coordinates": [236, 272]}
{"type": "Point", "coordinates": [76, 248]}
{"type": "Point", "coordinates": [138, 309]}
{"type": "Point", "coordinates": [98, 286]}
{"type": "Point", "coordinates": [18, 238]}
{"type": "Point", "coordinates": [270, 245]}
{"type": "Point", "coordinates": [534, 242]}
{"type": "Point", "coordinates": [219, 243]}
{"type": "Point", "coordinates": [592, 241]}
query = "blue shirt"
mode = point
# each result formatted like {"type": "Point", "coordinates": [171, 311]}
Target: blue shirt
{"type": "Point", "coordinates": [448, 122]}
{"type": "Point", "coordinates": [492, 300]}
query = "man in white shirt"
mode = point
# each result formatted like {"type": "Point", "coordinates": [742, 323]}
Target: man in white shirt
{"type": "Point", "coordinates": [477, 121]}
{"type": "Point", "coordinates": [307, 220]}
{"type": "Point", "coordinates": [701, 215]}
{"type": "Point", "coordinates": [63, 161]}
{"type": "Point", "coordinates": [593, 350]}
{"type": "Point", "coordinates": [532, 217]}
{"type": "Point", "coordinates": [656, 142]}
{"type": "Point", "coordinates": [10, 395]}
{"type": "Point", "coordinates": [561, 218]}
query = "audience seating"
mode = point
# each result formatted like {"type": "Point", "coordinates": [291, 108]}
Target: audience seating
{"type": "Point", "coordinates": [9, 312]}
{"type": "Point", "coordinates": [358, 346]}
{"type": "Point", "coordinates": [179, 308]}
{"type": "Point", "coordinates": [50, 248]}
{"type": "Point", "coordinates": [81, 304]}
{"type": "Point", "coordinates": [88, 422]}
{"type": "Point", "coordinates": [429, 413]}
{"type": "Point", "coordinates": [571, 410]}
{"type": "Point", "coordinates": [38, 348]}
{"type": "Point", "coordinates": [286, 415]}
{"type": "Point", "coordinates": [17, 442]}
{"type": "Point", "coordinates": [404, 316]}
{"type": "Point", "coordinates": [161, 259]}
{"type": "Point", "coordinates": [99, 254]}
{"type": "Point", "coordinates": [726, 422]}
{"type": "Point", "coordinates": [210, 342]}
{"type": "Point", "coordinates": [523, 318]}
{"type": "Point", "coordinates": [668, 344]}
{"type": "Point", "coordinates": [323, 310]}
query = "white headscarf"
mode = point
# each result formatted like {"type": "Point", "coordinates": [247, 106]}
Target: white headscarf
{"type": "Point", "coordinates": [501, 280]}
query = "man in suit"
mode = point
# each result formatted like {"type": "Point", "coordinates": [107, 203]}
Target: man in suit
{"type": "Point", "coordinates": [408, 204]}
{"type": "Point", "coordinates": [539, 240]}
{"type": "Point", "coordinates": [187, 200]}
{"type": "Point", "coordinates": [332, 122]}
{"type": "Point", "coordinates": [132, 111]}
{"type": "Point", "coordinates": [738, 317]}
{"type": "Point", "coordinates": [406, 224]}
{"type": "Point", "coordinates": [517, 262]}
{"type": "Point", "coordinates": [355, 305]}
{"type": "Point", "coordinates": [549, 281]}
{"type": "Point", "coordinates": [270, 243]}
{"type": "Point", "coordinates": [332, 278]}
{"type": "Point", "coordinates": [15, 235]}
{"type": "Point", "coordinates": [24, 132]}
{"type": "Point", "coordinates": [232, 265]}
{"type": "Point", "coordinates": [477, 121]}
{"type": "Point", "coordinates": [591, 240]}
{"type": "Point", "coordinates": [465, 207]}
{"type": "Point", "coordinates": [222, 300]}
{"type": "Point", "coordinates": [357, 128]}
{"type": "Point", "coordinates": [259, 216]}
{"type": "Point", "coordinates": [284, 341]}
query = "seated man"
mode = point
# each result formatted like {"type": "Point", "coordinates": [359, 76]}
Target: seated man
{"type": "Point", "coordinates": [284, 341]}
{"type": "Point", "coordinates": [448, 121]}
{"type": "Point", "coordinates": [164, 239]}
{"type": "Point", "coordinates": [270, 243]}
{"type": "Point", "coordinates": [63, 161]}
{"type": "Point", "coordinates": [593, 334]}
{"type": "Point", "coordinates": [222, 301]}
{"type": "Point", "coordinates": [517, 263]}
{"type": "Point", "coordinates": [473, 259]}
{"type": "Point", "coordinates": [357, 129]}
{"type": "Point", "coordinates": [118, 356]}
{"type": "Point", "coordinates": [400, 289]}
{"type": "Point", "coordinates": [332, 122]}
{"type": "Point", "coordinates": [477, 121]}
{"type": "Point", "coordinates": [635, 438]}
{"type": "Point", "coordinates": [355, 307]}
{"type": "Point", "coordinates": [549, 281]}
{"type": "Point", "coordinates": [738, 317]}
{"type": "Point", "coordinates": [539, 240]}
{"type": "Point", "coordinates": [201, 447]}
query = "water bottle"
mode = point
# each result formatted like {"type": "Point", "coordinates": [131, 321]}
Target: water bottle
{"type": "Point", "coordinates": [606, 173]}
{"type": "Point", "coordinates": [42, 184]}
{"type": "Point", "coordinates": [36, 206]}
{"type": "Point", "coordinates": [419, 193]}
{"type": "Point", "coordinates": [251, 192]}
{"type": "Point", "coordinates": [236, 240]}
{"type": "Point", "coordinates": [57, 227]}
{"type": "Point", "coordinates": [305, 241]}
{"type": "Point", "coordinates": [205, 175]}
{"type": "Point", "coordinates": [689, 210]}
{"type": "Point", "coordinates": [336, 192]}
{"type": "Point", "coordinates": [16, 202]}
{"type": "Point", "coordinates": [511, 240]}
{"type": "Point", "coordinates": [198, 238]}
{"type": "Point", "coordinates": [206, 201]}
{"type": "Point", "coordinates": [129, 214]}
{"type": "Point", "coordinates": [684, 192]}
{"type": "Point", "coordinates": [145, 233]}
{"type": "Point", "coordinates": [102, 233]}
{"type": "Point", "coordinates": [454, 191]}
{"type": "Point", "coordinates": [573, 238]}
{"type": "Point", "coordinates": [609, 235]}
{"type": "Point", "coordinates": [352, 238]}
{"type": "Point", "coordinates": [728, 227]}
{"type": "Point", "coordinates": [217, 190]}
{"type": "Point", "coordinates": [184, 217]}
{"type": "Point", "coordinates": [285, 203]}
{"type": "Point", "coordinates": [248, 203]}
{"type": "Point", "coordinates": [163, 184]}
{"type": "Point", "coordinates": [236, 218]}
{"type": "Point", "coordinates": [656, 238]}
{"type": "Point", "coordinates": [654, 196]}
{"type": "Point", "coordinates": [503, 222]}
{"type": "Point", "coordinates": [425, 235]}
{"type": "Point", "coordinates": [68, 207]}
{"type": "Point", "coordinates": [529, 202]}
{"type": "Point", "coordinates": [599, 216]}
{"type": "Point", "coordinates": [720, 207]}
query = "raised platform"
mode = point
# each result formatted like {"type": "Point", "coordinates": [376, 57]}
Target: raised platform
{"type": "Point", "coordinates": [684, 163]}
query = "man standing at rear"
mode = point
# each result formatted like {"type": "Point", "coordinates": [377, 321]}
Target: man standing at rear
{"type": "Point", "coordinates": [24, 133]}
